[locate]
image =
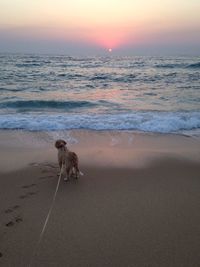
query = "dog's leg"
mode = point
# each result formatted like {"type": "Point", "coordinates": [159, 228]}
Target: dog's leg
{"type": "Point", "coordinates": [76, 172]}
{"type": "Point", "coordinates": [64, 171]}
{"type": "Point", "coordinates": [60, 167]}
{"type": "Point", "coordinates": [67, 174]}
{"type": "Point", "coordinates": [70, 172]}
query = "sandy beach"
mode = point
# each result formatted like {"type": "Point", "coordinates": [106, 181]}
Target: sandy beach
{"type": "Point", "coordinates": [136, 205]}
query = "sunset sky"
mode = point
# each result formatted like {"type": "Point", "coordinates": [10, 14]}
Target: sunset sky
{"type": "Point", "coordinates": [94, 26]}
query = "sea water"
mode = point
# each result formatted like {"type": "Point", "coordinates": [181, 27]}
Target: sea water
{"type": "Point", "coordinates": [143, 94]}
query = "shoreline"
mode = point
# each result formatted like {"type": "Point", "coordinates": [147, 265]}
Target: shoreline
{"type": "Point", "coordinates": [99, 148]}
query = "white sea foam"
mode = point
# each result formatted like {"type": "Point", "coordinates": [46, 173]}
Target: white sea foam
{"type": "Point", "coordinates": [156, 122]}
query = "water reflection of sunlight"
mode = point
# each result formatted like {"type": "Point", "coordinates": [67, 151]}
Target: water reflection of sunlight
{"type": "Point", "coordinates": [109, 95]}
{"type": "Point", "coordinates": [97, 95]}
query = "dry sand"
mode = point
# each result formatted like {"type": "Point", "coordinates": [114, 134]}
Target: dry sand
{"type": "Point", "coordinates": [137, 204]}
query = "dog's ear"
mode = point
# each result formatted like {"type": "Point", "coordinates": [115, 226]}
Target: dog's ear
{"type": "Point", "coordinates": [57, 144]}
{"type": "Point", "coordinates": [64, 142]}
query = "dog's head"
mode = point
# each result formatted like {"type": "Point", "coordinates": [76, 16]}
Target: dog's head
{"type": "Point", "coordinates": [60, 143]}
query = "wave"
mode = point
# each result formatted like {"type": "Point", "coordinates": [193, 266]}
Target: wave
{"type": "Point", "coordinates": [194, 65]}
{"type": "Point", "coordinates": [114, 77]}
{"type": "Point", "coordinates": [24, 65]}
{"type": "Point", "coordinates": [100, 77]}
{"type": "Point", "coordinates": [125, 78]}
{"type": "Point", "coordinates": [170, 65]}
{"type": "Point", "coordinates": [44, 104]}
{"type": "Point", "coordinates": [156, 122]}
{"type": "Point", "coordinates": [70, 76]}
{"type": "Point", "coordinates": [179, 65]}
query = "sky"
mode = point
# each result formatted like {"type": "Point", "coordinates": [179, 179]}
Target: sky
{"type": "Point", "coordinates": [88, 27]}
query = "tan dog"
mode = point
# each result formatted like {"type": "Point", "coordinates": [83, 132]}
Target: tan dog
{"type": "Point", "coordinates": [68, 161]}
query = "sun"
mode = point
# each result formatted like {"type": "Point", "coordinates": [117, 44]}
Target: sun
{"type": "Point", "coordinates": [110, 50]}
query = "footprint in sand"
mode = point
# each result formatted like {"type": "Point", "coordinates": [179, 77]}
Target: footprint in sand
{"type": "Point", "coordinates": [8, 211]}
{"type": "Point", "coordinates": [10, 223]}
{"type": "Point", "coordinates": [28, 195]}
{"type": "Point", "coordinates": [17, 219]}
{"type": "Point", "coordinates": [28, 186]}
{"type": "Point", "coordinates": [11, 209]}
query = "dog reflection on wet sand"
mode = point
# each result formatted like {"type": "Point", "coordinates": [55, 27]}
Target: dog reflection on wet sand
{"type": "Point", "coordinates": [68, 161]}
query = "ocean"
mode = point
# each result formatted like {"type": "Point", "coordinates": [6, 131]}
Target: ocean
{"type": "Point", "coordinates": [142, 94]}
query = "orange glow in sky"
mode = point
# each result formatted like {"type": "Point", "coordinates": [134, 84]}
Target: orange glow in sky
{"type": "Point", "coordinates": [104, 23]}
{"type": "Point", "coordinates": [108, 38]}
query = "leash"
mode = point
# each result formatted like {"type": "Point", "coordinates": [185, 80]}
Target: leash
{"type": "Point", "coordinates": [45, 223]}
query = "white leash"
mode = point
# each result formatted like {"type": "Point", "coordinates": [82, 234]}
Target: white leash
{"type": "Point", "coordinates": [45, 223]}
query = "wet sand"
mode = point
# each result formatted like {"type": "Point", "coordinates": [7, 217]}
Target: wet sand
{"type": "Point", "coordinates": [129, 209]}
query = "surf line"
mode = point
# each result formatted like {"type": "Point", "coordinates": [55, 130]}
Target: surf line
{"type": "Point", "coordinates": [45, 223]}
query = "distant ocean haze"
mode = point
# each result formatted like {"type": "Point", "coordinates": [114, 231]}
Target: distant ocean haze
{"type": "Point", "coordinates": [148, 94]}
